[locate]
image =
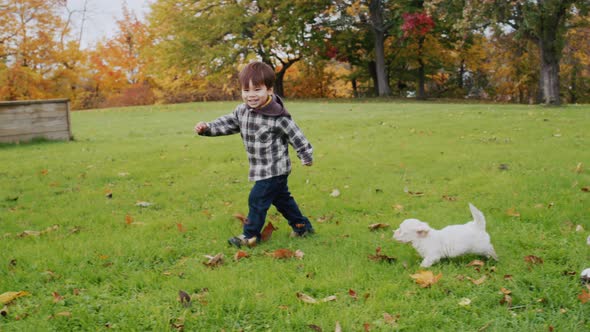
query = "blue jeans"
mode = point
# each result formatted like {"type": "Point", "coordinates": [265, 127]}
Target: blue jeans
{"type": "Point", "coordinates": [273, 191]}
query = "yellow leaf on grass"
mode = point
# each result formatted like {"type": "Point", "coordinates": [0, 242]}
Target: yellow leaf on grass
{"type": "Point", "coordinates": [512, 212]}
{"type": "Point", "coordinates": [584, 297]}
{"type": "Point", "coordinates": [8, 297]}
{"type": "Point", "coordinates": [426, 278]}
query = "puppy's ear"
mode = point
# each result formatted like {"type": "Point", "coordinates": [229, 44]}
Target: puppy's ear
{"type": "Point", "coordinates": [422, 232]}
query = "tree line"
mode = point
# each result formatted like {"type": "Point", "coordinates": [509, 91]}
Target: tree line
{"type": "Point", "coordinates": [520, 51]}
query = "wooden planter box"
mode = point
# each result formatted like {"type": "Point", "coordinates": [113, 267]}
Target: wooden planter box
{"type": "Point", "coordinates": [22, 121]}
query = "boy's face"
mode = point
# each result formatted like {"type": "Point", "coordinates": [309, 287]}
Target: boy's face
{"type": "Point", "coordinates": [255, 96]}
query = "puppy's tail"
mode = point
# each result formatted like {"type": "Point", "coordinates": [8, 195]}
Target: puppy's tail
{"type": "Point", "coordinates": [478, 217]}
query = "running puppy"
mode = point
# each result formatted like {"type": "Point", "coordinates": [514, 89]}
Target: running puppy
{"type": "Point", "coordinates": [451, 241]}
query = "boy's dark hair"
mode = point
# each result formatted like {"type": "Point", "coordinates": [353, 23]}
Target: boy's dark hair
{"type": "Point", "coordinates": [257, 72]}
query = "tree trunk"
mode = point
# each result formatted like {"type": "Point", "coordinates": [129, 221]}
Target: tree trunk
{"type": "Point", "coordinates": [549, 73]}
{"type": "Point", "coordinates": [421, 81]}
{"type": "Point", "coordinates": [378, 28]}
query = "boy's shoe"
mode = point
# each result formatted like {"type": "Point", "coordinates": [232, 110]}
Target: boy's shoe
{"type": "Point", "coordinates": [241, 240]}
{"type": "Point", "coordinates": [302, 234]}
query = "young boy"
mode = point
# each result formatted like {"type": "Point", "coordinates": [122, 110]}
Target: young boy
{"type": "Point", "coordinates": [266, 129]}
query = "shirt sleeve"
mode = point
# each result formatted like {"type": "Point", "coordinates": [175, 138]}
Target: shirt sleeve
{"type": "Point", "coordinates": [296, 138]}
{"type": "Point", "coordinates": [224, 125]}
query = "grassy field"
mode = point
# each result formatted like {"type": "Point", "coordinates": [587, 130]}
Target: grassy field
{"type": "Point", "coordinates": [73, 237]}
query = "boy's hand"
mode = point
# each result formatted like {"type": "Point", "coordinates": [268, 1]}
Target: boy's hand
{"type": "Point", "coordinates": [201, 127]}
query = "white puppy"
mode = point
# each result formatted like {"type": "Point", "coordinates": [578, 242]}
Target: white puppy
{"type": "Point", "coordinates": [451, 241]}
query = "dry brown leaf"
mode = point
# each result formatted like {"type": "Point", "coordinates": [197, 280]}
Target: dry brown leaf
{"type": "Point", "coordinates": [299, 254]}
{"type": "Point", "coordinates": [241, 254]}
{"type": "Point", "coordinates": [128, 219]}
{"type": "Point", "coordinates": [585, 189]}
{"type": "Point", "coordinates": [180, 227]}
{"type": "Point", "coordinates": [579, 168]}
{"type": "Point", "coordinates": [267, 231]}
{"type": "Point", "coordinates": [380, 257]}
{"type": "Point", "coordinates": [533, 259]}
{"type": "Point", "coordinates": [584, 297]}
{"type": "Point", "coordinates": [476, 262]}
{"type": "Point", "coordinates": [214, 261]}
{"type": "Point", "coordinates": [390, 319]}
{"type": "Point", "coordinates": [352, 294]}
{"type": "Point", "coordinates": [506, 299]}
{"type": "Point", "coordinates": [306, 298]}
{"type": "Point", "coordinates": [184, 298]}
{"type": "Point", "coordinates": [426, 278]}
{"type": "Point", "coordinates": [505, 291]}
{"type": "Point", "coordinates": [398, 207]}
{"type": "Point", "coordinates": [508, 277]}
{"type": "Point", "coordinates": [449, 198]}
{"type": "Point", "coordinates": [378, 226]}
{"type": "Point", "coordinates": [8, 297]}
{"type": "Point", "coordinates": [315, 327]}
{"type": "Point", "coordinates": [512, 212]}
{"type": "Point", "coordinates": [56, 297]}
{"type": "Point", "coordinates": [478, 281]}
{"type": "Point", "coordinates": [242, 218]}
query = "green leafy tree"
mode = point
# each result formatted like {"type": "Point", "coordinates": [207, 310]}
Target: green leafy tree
{"type": "Point", "coordinates": [210, 38]}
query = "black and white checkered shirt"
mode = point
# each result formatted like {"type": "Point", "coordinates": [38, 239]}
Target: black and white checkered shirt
{"type": "Point", "coordinates": [265, 139]}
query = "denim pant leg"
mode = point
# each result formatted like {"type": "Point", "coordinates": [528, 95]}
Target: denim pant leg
{"type": "Point", "coordinates": [261, 197]}
{"type": "Point", "coordinates": [286, 205]}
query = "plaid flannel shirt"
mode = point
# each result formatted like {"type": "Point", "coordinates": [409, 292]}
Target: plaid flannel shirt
{"type": "Point", "coordinates": [266, 139]}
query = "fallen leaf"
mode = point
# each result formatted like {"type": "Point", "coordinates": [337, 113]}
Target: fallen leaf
{"type": "Point", "coordinates": [508, 277]}
{"type": "Point", "coordinates": [506, 299]}
{"type": "Point", "coordinates": [180, 227]}
{"type": "Point", "coordinates": [579, 168]}
{"type": "Point", "coordinates": [315, 327]}
{"type": "Point", "coordinates": [380, 257]}
{"type": "Point", "coordinates": [267, 231]}
{"type": "Point", "coordinates": [242, 218]}
{"type": "Point", "coordinates": [4, 311]}
{"type": "Point", "coordinates": [143, 204]}
{"type": "Point", "coordinates": [128, 219]}
{"type": "Point", "coordinates": [533, 259]}
{"type": "Point", "coordinates": [464, 302]}
{"type": "Point", "coordinates": [352, 294]}
{"type": "Point", "coordinates": [426, 278]}
{"type": "Point", "coordinates": [579, 228]}
{"type": "Point", "coordinates": [367, 327]}
{"type": "Point", "coordinates": [478, 281]}
{"type": "Point", "coordinates": [306, 298]}
{"type": "Point", "coordinates": [378, 226]}
{"type": "Point", "coordinates": [8, 297]}
{"type": "Point", "coordinates": [184, 298]}
{"type": "Point", "coordinates": [390, 319]}
{"type": "Point", "coordinates": [299, 254]}
{"type": "Point", "coordinates": [214, 261]}
{"type": "Point", "coordinates": [240, 254]}
{"type": "Point", "coordinates": [398, 207]}
{"type": "Point", "coordinates": [56, 297]}
{"type": "Point", "coordinates": [335, 193]}
{"type": "Point", "coordinates": [585, 189]}
{"type": "Point", "coordinates": [449, 198]}
{"type": "Point", "coordinates": [512, 212]}
{"type": "Point", "coordinates": [476, 262]}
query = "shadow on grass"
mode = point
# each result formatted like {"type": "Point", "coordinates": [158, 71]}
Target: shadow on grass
{"type": "Point", "coordinates": [38, 141]}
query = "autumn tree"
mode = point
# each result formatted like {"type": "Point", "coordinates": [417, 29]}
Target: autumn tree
{"type": "Point", "coordinates": [545, 22]}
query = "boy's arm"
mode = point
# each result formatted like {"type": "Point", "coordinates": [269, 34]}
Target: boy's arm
{"type": "Point", "coordinates": [225, 125]}
{"type": "Point", "coordinates": [297, 140]}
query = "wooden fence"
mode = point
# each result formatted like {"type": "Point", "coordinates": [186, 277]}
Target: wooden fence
{"type": "Point", "coordinates": [22, 121]}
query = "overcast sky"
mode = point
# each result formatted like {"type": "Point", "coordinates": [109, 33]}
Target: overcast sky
{"type": "Point", "coordinates": [102, 15]}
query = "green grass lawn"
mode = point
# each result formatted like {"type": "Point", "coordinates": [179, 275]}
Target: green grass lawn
{"type": "Point", "coordinates": [112, 264]}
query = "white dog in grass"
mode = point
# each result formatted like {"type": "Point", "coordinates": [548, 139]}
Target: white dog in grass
{"type": "Point", "coordinates": [451, 241]}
